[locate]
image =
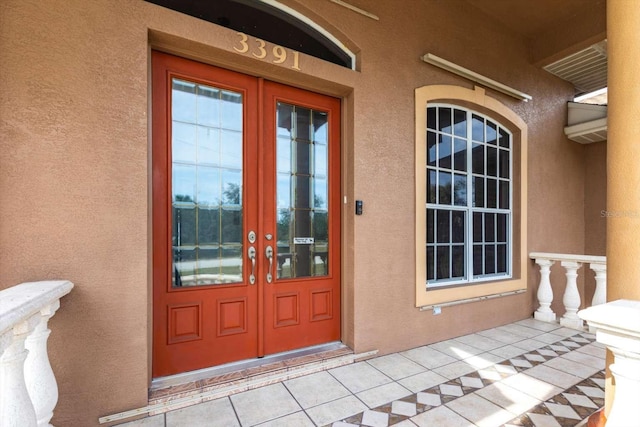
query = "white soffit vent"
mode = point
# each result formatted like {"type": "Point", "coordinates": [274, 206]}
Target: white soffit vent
{"type": "Point", "coordinates": [586, 70]}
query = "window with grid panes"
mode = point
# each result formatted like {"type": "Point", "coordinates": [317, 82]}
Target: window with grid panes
{"type": "Point", "coordinates": [469, 207]}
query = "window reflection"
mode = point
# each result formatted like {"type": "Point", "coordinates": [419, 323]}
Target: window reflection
{"type": "Point", "coordinates": [302, 192]}
{"type": "Point", "coordinates": [468, 165]}
{"type": "Point", "coordinates": [206, 184]}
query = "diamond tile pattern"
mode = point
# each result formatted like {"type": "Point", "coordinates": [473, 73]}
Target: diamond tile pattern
{"type": "Point", "coordinates": [416, 387]}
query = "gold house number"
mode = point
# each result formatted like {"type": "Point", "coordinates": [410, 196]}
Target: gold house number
{"type": "Point", "coordinates": [257, 48]}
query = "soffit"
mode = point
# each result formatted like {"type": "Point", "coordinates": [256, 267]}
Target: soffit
{"type": "Point", "coordinates": [528, 17]}
{"type": "Point", "coordinates": [565, 37]}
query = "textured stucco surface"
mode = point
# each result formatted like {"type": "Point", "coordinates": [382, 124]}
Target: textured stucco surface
{"type": "Point", "coordinates": [74, 162]}
{"type": "Point", "coordinates": [623, 153]}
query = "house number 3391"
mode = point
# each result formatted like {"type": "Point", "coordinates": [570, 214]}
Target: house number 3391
{"type": "Point", "coordinates": [257, 48]}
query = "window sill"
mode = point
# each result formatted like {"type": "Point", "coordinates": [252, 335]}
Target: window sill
{"type": "Point", "coordinates": [426, 299]}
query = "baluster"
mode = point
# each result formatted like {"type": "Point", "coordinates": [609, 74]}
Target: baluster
{"type": "Point", "coordinates": [41, 383]}
{"type": "Point", "coordinates": [571, 298]}
{"type": "Point", "coordinates": [16, 409]}
{"type": "Point", "coordinates": [600, 294]}
{"type": "Point", "coordinates": [545, 293]}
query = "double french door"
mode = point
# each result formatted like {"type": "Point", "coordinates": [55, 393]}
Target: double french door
{"type": "Point", "coordinates": [246, 216]}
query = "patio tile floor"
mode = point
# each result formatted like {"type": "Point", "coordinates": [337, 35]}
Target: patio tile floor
{"type": "Point", "coordinates": [527, 374]}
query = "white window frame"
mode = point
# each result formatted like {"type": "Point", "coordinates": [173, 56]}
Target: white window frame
{"type": "Point", "coordinates": [469, 209]}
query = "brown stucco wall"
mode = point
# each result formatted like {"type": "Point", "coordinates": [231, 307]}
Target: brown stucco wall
{"type": "Point", "coordinates": [74, 162]}
{"type": "Point", "coordinates": [73, 189]}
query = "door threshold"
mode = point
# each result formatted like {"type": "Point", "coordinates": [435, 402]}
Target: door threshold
{"type": "Point", "coordinates": [280, 367]}
{"type": "Point", "coordinates": [195, 381]}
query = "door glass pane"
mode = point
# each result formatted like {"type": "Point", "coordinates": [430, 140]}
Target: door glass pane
{"type": "Point", "coordinates": [206, 166]}
{"type": "Point", "coordinates": [302, 192]}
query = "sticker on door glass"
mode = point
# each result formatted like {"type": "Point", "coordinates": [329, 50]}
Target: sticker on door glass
{"type": "Point", "coordinates": [303, 240]}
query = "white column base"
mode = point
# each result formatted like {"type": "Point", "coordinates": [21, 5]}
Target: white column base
{"type": "Point", "coordinates": [545, 317]}
{"type": "Point", "coordinates": [626, 371]}
{"type": "Point", "coordinates": [617, 326]}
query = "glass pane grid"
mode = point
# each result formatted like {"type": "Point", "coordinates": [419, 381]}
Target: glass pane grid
{"type": "Point", "coordinates": [302, 192]}
{"type": "Point", "coordinates": [207, 225]}
{"type": "Point", "coordinates": [482, 147]}
{"type": "Point", "coordinates": [446, 247]}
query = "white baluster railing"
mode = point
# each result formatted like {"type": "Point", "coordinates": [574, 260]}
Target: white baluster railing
{"type": "Point", "coordinates": [571, 297]}
{"type": "Point", "coordinates": [28, 388]}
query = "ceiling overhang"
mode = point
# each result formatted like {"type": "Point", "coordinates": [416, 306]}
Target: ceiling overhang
{"type": "Point", "coordinates": [587, 123]}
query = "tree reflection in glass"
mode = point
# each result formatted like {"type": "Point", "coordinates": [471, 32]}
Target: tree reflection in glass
{"type": "Point", "coordinates": [302, 192]}
{"type": "Point", "coordinates": [206, 153]}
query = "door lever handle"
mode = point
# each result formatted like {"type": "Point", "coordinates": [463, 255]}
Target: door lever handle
{"type": "Point", "coordinates": [252, 256]}
{"type": "Point", "coordinates": [269, 254]}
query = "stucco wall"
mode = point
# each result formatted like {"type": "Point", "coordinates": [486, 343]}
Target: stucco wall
{"type": "Point", "coordinates": [73, 189]}
{"type": "Point", "coordinates": [74, 162]}
{"type": "Point", "coordinates": [595, 198]}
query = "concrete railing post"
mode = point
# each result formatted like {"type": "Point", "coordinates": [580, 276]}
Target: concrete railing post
{"type": "Point", "coordinates": [28, 388]}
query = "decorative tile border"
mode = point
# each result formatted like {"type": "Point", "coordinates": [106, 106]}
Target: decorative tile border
{"type": "Point", "coordinates": [567, 408]}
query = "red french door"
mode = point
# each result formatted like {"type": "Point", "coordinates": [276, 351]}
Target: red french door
{"type": "Point", "coordinates": [246, 216]}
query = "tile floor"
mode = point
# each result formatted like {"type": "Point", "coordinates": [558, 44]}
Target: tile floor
{"type": "Point", "coordinates": [529, 373]}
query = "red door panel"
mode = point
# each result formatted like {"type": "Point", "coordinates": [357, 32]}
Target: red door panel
{"type": "Point", "coordinates": [205, 309]}
{"type": "Point", "coordinates": [302, 171]}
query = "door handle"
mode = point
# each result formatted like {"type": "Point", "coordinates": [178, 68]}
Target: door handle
{"type": "Point", "coordinates": [269, 254]}
{"type": "Point", "coordinates": [252, 256]}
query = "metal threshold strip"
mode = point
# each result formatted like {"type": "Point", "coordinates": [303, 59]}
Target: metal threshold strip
{"type": "Point", "coordinates": [286, 370]}
{"type": "Point", "coordinates": [215, 371]}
